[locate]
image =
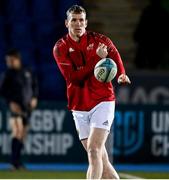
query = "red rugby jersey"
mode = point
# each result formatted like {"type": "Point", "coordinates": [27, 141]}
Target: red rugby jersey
{"type": "Point", "coordinates": [76, 61]}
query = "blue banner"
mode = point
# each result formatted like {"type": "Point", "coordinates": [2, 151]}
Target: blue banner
{"type": "Point", "coordinates": [141, 135]}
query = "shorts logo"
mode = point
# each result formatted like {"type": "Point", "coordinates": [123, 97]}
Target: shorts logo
{"type": "Point", "coordinates": [106, 123]}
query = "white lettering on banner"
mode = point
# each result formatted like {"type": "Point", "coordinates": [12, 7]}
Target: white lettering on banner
{"type": "Point", "coordinates": [67, 142]}
{"type": "Point", "coordinates": [160, 122]}
{"type": "Point", "coordinates": [59, 118]}
{"type": "Point", "coordinates": [166, 145]}
{"type": "Point", "coordinates": [159, 92]}
{"type": "Point", "coordinates": [156, 145]}
{"type": "Point", "coordinates": [36, 121]}
{"type": "Point", "coordinates": [160, 145]}
{"type": "Point", "coordinates": [140, 95]}
{"type": "Point", "coordinates": [40, 144]}
{"type": "Point", "coordinates": [160, 128]}
{"type": "Point", "coordinates": [45, 136]}
{"type": "Point", "coordinates": [8, 127]}
{"type": "Point", "coordinates": [47, 120]}
{"type": "Point", "coordinates": [5, 143]}
{"type": "Point", "coordinates": [48, 144]}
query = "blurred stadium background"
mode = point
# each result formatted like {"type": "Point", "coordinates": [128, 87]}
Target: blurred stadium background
{"type": "Point", "coordinates": [139, 142]}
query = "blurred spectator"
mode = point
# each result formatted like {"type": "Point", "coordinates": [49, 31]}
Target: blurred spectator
{"type": "Point", "coordinates": [19, 88]}
{"type": "Point", "coordinates": [34, 26]}
{"type": "Point", "coordinates": [152, 37]}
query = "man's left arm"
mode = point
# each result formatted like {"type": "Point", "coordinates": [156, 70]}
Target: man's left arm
{"type": "Point", "coordinates": [114, 54]}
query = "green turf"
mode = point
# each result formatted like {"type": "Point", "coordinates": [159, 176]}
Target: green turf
{"type": "Point", "coordinates": [150, 175]}
{"type": "Point", "coordinates": [41, 175]}
{"type": "Point", "coordinates": [70, 175]}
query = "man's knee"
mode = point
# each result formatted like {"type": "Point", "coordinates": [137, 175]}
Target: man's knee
{"type": "Point", "coordinates": [17, 133]}
{"type": "Point", "coordinates": [17, 126]}
{"type": "Point", "coordinates": [94, 153]}
{"type": "Point", "coordinates": [14, 132]}
{"type": "Point", "coordinates": [20, 131]}
{"type": "Point", "coordinates": [20, 134]}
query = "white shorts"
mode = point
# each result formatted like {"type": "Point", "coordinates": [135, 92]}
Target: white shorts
{"type": "Point", "coordinates": [101, 116]}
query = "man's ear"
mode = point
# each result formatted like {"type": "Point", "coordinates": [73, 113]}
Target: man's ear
{"type": "Point", "coordinates": [86, 22]}
{"type": "Point", "coordinates": [66, 23]}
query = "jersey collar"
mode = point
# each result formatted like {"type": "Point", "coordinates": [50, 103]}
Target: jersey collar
{"type": "Point", "coordinates": [81, 44]}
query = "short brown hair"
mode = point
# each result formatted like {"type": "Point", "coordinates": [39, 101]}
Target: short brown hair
{"type": "Point", "coordinates": [75, 9]}
{"type": "Point", "coordinates": [14, 52]}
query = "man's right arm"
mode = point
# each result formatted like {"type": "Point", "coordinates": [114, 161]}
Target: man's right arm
{"type": "Point", "coordinates": [66, 67]}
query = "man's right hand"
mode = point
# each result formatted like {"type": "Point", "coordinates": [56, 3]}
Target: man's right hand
{"type": "Point", "coordinates": [14, 107]}
{"type": "Point", "coordinates": [102, 50]}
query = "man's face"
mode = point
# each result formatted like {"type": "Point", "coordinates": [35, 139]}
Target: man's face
{"type": "Point", "coordinates": [76, 24]}
{"type": "Point", "coordinates": [13, 62]}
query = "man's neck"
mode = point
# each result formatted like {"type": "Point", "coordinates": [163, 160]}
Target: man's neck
{"type": "Point", "coordinates": [75, 38]}
{"type": "Point", "coordinates": [19, 67]}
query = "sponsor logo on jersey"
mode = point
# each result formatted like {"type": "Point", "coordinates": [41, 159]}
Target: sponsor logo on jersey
{"type": "Point", "coordinates": [71, 49]}
{"type": "Point", "coordinates": [90, 46]}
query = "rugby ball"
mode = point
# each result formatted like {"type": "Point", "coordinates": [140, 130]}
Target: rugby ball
{"type": "Point", "coordinates": [105, 70]}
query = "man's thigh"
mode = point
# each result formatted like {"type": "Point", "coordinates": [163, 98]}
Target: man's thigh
{"type": "Point", "coordinates": [97, 138]}
{"type": "Point", "coordinates": [82, 124]}
{"type": "Point", "coordinates": [102, 115]}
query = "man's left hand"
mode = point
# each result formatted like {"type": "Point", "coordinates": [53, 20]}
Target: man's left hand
{"type": "Point", "coordinates": [123, 79]}
{"type": "Point", "coordinates": [33, 103]}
